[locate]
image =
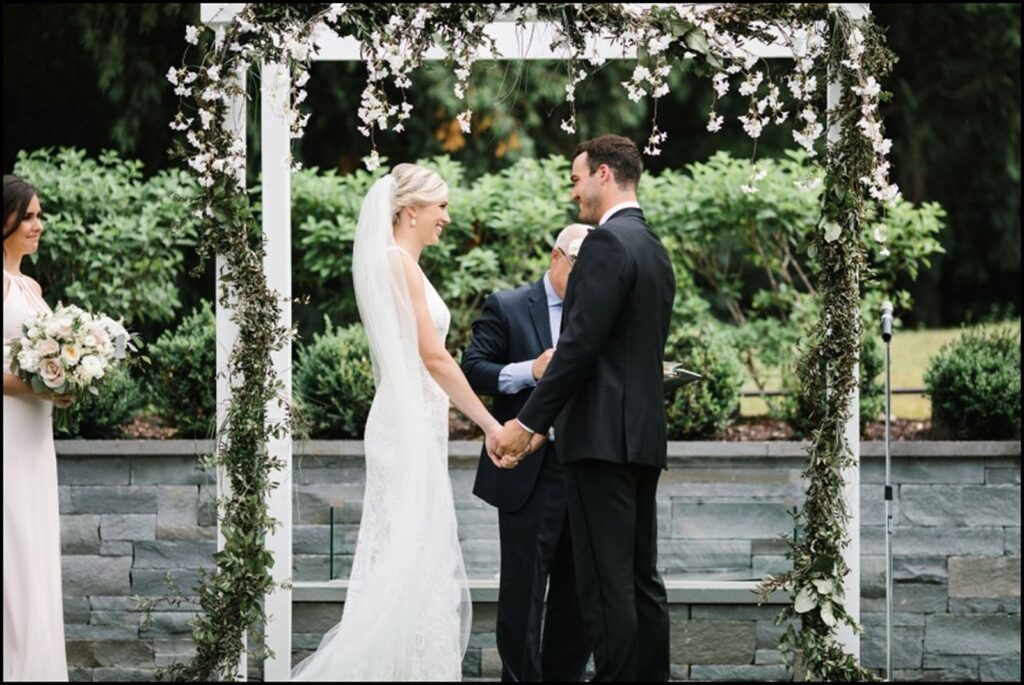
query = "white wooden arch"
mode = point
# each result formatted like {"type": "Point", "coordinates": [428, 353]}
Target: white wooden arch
{"type": "Point", "coordinates": [531, 42]}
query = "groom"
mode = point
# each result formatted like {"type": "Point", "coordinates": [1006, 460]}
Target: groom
{"type": "Point", "coordinates": [603, 392]}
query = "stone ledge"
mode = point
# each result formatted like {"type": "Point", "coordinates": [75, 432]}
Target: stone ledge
{"type": "Point", "coordinates": [486, 590]}
{"type": "Point", "coordinates": [466, 452]}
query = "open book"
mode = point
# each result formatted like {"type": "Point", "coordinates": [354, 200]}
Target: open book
{"type": "Point", "coordinates": [676, 376]}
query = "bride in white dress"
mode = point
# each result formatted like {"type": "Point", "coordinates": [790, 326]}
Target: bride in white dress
{"type": "Point", "coordinates": [33, 606]}
{"type": "Point", "coordinates": [407, 612]}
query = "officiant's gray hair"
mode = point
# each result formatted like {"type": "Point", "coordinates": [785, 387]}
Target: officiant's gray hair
{"type": "Point", "coordinates": [416, 186]}
{"type": "Point", "coordinates": [571, 233]}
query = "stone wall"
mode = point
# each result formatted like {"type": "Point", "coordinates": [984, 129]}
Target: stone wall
{"type": "Point", "coordinates": [133, 512]}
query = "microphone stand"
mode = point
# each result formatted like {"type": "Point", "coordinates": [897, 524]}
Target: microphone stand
{"type": "Point", "coordinates": [887, 337]}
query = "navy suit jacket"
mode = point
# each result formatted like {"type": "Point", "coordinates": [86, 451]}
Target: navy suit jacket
{"type": "Point", "coordinates": [513, 327]}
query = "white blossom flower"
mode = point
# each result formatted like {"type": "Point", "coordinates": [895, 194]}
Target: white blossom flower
{"type": "Point", "coordinates": [464, 120]}
{"type": "Point", "coordinates": [569, 125]}
{"type": "Point", "coordinates": [335, 10]}
{"type": "Point", "coordinates": [715, 122]}
{"type": "Point", "coordinates": [721, 83]}
{"type": "Point", "coordinates": [654, 142]}
{"type": "Point", "coordinates": [372, 161]}
{"type": "Point", "coordinates": [172, 76]}
{"type": "Point", "coordinates": [192, 34]}
{"type": "Point", "coordinates": [751, 83]}
{"type": "Point", "coordinates": [752, 125]}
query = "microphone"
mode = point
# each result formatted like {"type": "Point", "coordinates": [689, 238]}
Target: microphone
{"type": "Point", "coordinates": [886, 321]}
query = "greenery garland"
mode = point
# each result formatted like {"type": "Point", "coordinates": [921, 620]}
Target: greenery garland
{"type": "Point", "coordinates": [395, 38]}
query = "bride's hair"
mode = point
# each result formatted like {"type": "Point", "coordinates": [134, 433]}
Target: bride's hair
{"type": "Point", "coordinates": [416, 186]}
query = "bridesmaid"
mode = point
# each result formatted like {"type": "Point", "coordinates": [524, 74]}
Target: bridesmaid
{"type": "Point", "coordinates": [33, 606]}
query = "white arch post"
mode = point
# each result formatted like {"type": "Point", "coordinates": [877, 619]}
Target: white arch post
{"type": "Point", "coordinates": [528, 43]}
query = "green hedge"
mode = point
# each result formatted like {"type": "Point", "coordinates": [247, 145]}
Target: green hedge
{"type": "Point", "coordinates": [104, 416]}
{"type": "Point", "coordinates": [974, 384]}
{"type": "Point", "coordinates": [707, 406]}
{"type": "Point", "coordinates": [183, 377]}
{"type": "Point", "coordinates": [114, 242]}
{"type": "Point", "coordinates": [117, 242]}
{"type": "Point", "coordinates": [333, 383]}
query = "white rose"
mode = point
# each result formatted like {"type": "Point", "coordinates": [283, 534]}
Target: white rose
{"type": "Point", "coordinates": [71, 354]}
{"type": "Point", "coordinates": [52, 373]}
{"type": "Point", "coordinates": [114, 328]}
{"type": "Point", "coordinates": [59, 328]}
{"type": "Point", "coordinates": [48, 348]}
{"type": "Point", "coordinates": [92, 367]}
{"type": "Point", "coordinates": [29, 360]}
{"type": "Point", "coordinates": [98, 334]}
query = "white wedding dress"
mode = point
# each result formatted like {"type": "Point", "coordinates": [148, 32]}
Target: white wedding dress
{"type": "Point", "coordinates": [33, 604]}
{"type": "Point", "coordinates": [407, 611]}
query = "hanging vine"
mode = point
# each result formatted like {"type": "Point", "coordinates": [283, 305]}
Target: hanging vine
{"type": "Point", "coordinates": [711, 41]}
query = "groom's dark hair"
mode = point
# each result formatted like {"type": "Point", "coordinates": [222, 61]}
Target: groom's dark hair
{"type": "Point", "coordinates": [618, 152]}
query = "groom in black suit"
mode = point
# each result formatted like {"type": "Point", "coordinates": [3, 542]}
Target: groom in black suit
{"type": "Point", "coordinates": [513, 340]}
{"type": "Point", "coordinates": [603, 393]}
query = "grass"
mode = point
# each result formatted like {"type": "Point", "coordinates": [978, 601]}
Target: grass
{"type": "Point", "coordinates": [911, 353]}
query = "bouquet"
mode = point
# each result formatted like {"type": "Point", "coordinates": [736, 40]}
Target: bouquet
{"type": "Point", "coordinates": [68, 351]}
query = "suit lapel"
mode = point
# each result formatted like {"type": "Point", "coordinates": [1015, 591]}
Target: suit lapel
{"type": "Point", "coordinates": [539, 314]}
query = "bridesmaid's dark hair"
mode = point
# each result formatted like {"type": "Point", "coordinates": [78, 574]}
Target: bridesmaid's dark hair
{"type": "Point", "coordinates": [17, 195]}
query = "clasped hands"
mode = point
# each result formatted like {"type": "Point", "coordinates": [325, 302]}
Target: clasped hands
{"type": "Point", "coordinates": [511, 444]}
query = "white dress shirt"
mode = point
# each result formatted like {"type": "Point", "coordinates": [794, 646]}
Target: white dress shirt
{"type": "Point", "coordinates": [621, 205]}
{"type": "Point", "coordinates": [518, 375]}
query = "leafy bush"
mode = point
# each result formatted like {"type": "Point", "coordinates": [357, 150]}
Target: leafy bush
{"type": "Point", "coordinates": [113, 243]}
{"type": "Point", "coordinates": [974, 383]}
{"type": "Point", "coordinates": [103, 416]}
{"type": "Point", "coordinates": [711, 404]}
{"type": "Point", "coordinates": [333, 383]}
{"type": "Point", "coordinates": [183, 379]}
{"type": "Point", "coordinates": [794, 410]}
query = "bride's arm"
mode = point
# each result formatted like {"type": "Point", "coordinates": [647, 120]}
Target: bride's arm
{"type": "Point", "coordinates": [438, 361]}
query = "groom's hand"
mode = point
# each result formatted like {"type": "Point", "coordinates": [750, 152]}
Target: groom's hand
{"type": "Point", "coordinates": [511, 442]}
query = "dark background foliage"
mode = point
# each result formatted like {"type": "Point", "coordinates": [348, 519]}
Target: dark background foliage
{"type": "Point", "coordinates": [92, 76]}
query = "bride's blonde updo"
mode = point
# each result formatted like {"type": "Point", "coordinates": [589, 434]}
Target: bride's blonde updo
{"type": "Point", "coordinates": [416, 186]}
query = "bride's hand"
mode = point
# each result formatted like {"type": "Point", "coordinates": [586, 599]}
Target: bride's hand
{"type": "Point", "coordinates": [490, 435]}
{"type": "Point", "coordinates": [62, 401]}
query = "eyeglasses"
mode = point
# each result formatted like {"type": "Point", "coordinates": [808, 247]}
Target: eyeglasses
{"type": "Point", "coordinates": [571, 260]}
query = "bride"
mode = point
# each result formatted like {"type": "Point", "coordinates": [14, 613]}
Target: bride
{"type": "Point", "coordinates": [407, 612]}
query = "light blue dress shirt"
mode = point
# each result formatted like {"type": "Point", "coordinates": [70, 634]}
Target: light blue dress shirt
{"type": "Point", "coordinates": [519, 375]}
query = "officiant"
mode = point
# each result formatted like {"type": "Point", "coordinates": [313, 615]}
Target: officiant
{"type": "Point", "coordinates": [512, 343]}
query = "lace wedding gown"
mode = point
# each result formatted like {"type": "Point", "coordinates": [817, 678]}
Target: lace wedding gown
{"type": "Point", "coordinates": [407, 611]}
{"type": "Point", "coordinates": [33, 606]}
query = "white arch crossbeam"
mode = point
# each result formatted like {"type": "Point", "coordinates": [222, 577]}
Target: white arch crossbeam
{"type": "Point", "coordinates": [531, 41]}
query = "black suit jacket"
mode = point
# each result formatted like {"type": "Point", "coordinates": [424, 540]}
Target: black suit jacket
{"type": "Point", "coordinates": [603, 389]}
{"type": "Point", "coordinates": [513, 327]}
